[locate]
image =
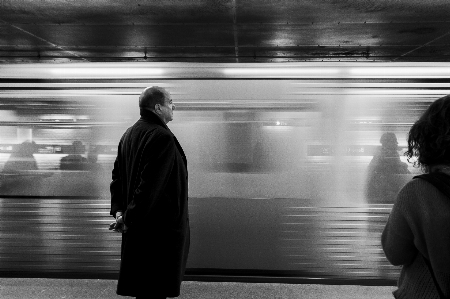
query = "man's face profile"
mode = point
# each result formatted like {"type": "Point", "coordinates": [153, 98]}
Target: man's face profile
{"type": "Point", "coordinates": [167, 109]}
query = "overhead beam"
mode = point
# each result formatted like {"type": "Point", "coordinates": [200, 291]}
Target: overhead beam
{"type": "Point", "coordinates": [44, 40]}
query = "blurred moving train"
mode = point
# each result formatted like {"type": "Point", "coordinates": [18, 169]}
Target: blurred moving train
{"type": "Point", "coordinates": [278, 159]}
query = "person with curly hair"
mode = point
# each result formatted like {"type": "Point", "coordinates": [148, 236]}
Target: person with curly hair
{"type": "Point", "coordinates": [417, 233]}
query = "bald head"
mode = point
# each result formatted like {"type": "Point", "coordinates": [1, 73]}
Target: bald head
{"type": "Point", "coordinates": [152, 96]}
{"type": "Point", "coordinates": [158, 100]}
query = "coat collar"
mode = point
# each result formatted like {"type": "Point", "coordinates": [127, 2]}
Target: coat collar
{"type": "Point", "coordinates": [147, 115]}
{"type": "Point", "coordinates": [150, 116]}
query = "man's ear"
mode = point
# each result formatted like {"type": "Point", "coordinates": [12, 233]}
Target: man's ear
{"type": "Point", "coordinates": [157, 108]}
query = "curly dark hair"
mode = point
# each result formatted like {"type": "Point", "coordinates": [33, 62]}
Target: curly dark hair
{"type": "Point", "coordinates": [429, 137]}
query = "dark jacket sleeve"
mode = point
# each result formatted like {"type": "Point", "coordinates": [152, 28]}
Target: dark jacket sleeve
{"type": "Point", "coordinates": [117, 195]}
{"type": "Point", "coordinates": [397, 239]}
{"type": "Point", "coordinates": [155, 165]}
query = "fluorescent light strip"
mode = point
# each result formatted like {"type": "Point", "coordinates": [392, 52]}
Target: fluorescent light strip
{"type": "Point", "coordinates": [104, 72]}
{"type": "Point", "coordinates": [288, 71]}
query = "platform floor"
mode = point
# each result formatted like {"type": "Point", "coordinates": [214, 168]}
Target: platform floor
{"type": "Point", "coordinates": [40, 288]}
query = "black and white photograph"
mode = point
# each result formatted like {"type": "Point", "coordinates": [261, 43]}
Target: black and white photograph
{"type": "Point", "coordinates": [224, 149]}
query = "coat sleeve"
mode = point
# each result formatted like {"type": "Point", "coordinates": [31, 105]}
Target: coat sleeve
{"type": "Point", "coordinates": [117, 196]}
{"type": "Point", "coordinates": [155, 166]}
{"type": "Point", "coordinates": [397, 238]}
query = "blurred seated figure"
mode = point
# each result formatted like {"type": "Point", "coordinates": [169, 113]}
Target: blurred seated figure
{"type": "Point", "coordinates": [22, 159]}
{"type": "Point", "coordinates": [17, 177]}
{"type": "Point", "coordinates": [75, 161]}
{"type": "Point", "coordinates": [86, 176]}
{"type": "Point", "coordinates": [383, 181]}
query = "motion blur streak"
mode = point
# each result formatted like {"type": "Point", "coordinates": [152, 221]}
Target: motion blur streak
{"type": "Point", "coordinates": [420, 70]}
{"type": "Point", "coordinates": [281, 163]}
{"type": "Point", "coordinates": [105, 72]}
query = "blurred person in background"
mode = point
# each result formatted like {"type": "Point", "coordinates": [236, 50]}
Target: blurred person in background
{"type": "Point", "coordinates": [149, 199]}
{"type": "Point", "coordinates": [22, 159]}
{"type": "Point", "coordinates": [382, 184]}
{"type": "Point", "coordinates": [417, 234]}
{"type": "Point", "coordinates": [75, 160]}
{"type": "Point", "coordinates": [384, 181]}
{"type": "Point", "coordinates": [19, 175]}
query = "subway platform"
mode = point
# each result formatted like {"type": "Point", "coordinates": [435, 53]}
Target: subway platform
{"type": "Point", "coordinates": [40, 288]}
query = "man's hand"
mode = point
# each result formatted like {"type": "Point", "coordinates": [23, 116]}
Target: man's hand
{"type": "Point", "coordinates": [118, 226]}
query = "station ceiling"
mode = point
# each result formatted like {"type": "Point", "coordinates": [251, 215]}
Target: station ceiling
{"type": "Point", "coordinates": [224, 31]}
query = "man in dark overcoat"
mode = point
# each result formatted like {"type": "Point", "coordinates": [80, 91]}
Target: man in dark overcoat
{"type": "Point", "coordinates": [149, 200]}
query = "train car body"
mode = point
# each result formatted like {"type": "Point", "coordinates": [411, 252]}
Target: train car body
{"type": "Point", "coordinates": [280, 161]}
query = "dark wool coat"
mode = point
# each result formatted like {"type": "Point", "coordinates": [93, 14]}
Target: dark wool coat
{"type": "Point", "coordinates": [150, 185]}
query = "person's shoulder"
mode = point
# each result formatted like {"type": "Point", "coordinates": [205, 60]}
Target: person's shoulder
{"type": "Point", "coordinates": [141, 128]}
{"type": "Point", "coordinates": [145, 125]}
{"type": "Point", "coordinates": [414, 185]}
{"type": "Point", "coordinates": [414, 190]}
{"type": "Point", "coordinates": [163, 135]}
{"type": "Point", "coordinates": [127, 133]}
{"type": "Point", "coordinates": [148, 131]}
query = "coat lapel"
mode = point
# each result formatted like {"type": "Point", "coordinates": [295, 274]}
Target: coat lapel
{"type": "Point", "coordinates": [152, 117]}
